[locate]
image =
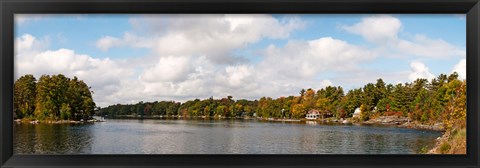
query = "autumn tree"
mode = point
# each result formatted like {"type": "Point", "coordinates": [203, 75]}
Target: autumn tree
{"type": "Point", "coordinates": [60, 98]}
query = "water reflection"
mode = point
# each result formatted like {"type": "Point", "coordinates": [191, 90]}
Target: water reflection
{"type": "Point", "coordinates": [216, 137]}
{"type": "Point", "coordinates": [52, 139]}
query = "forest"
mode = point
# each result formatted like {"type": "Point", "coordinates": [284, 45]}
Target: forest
{"type": "Point", "coordinates": [52, 98]}
{"type": "Point", "coordinates": [440, 100]}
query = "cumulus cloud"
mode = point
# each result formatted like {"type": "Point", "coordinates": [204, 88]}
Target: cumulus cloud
{"type": "Point", "coordinates": [213, 36]}
{"type": "Point", "coordinates": [192, 56]}
{"type": "Point", "coordinates": [376, 28]}
{"type": "Point", "coordinates": [306, 59]}
{"type": "Point", "coordinates": [419, 70]}
{"type": "Point", "coordinates": [202, 81]}
{"type": "Point", "coordinates": [25, 42]}
{"type": "Point", "coordinates": [384, 31]}
{"type": "Point", "coordinates": [167, 69]}
{"type": "Point", "coordinates": [100, 74]}
{"type": "Point", "coordinates": [461, 68]}
{"type": "Point", "coordinates": [283, 72]}
{"type": "Point", "coordinates": [107, 42]}
{"type": "Point", "coordinates": [425, 47]}
{"type": "Point", "coordinates": [238, 76]}
{"type": "Point", "coordinates": [325, 83]}
{"type": "Point", "coordinates": [29, 43]}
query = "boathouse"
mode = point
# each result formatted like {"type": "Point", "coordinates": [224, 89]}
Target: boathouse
{"type": "Point", "coordinates": [313, 114]}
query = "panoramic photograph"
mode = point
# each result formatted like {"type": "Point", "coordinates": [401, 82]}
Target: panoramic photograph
{"type": "Point", "coordinates": [240, 84]}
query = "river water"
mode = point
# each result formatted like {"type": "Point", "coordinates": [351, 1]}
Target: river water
{"type": "Point", "coordinates": [217, 137]}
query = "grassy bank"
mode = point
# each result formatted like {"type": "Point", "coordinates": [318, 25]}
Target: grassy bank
{"type": "Point", "coordinates": [452, 142]}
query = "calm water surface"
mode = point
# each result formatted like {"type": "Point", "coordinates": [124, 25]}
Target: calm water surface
{"type": "Point", "coordinates": [216, 137]}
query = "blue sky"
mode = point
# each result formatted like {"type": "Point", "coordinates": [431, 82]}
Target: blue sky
{"type": "Point", "coordinates": [131, 58]}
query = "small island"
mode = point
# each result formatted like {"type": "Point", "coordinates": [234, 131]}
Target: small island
{"type": "Point", "coordinates": [52, 99]}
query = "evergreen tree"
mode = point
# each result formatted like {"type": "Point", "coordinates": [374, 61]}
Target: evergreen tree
{"type": "Point", "coordinates": [24, 96]}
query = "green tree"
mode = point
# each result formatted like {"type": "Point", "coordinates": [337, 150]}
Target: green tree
{"type": "Point", "coordinates": [384, 105]}
{"type": "Point", "coordinates": [87, 105]}
{"type": "Point", "coordinates": [220, 110]}
{"type": "Point", "coordinates": [24, 96]}
{"type": "Point", "coordinates": [65, 112]}
{"type": "Point", "coordinates": [44, 105]}
{"type": "Point", "coordinates": [58, 97]}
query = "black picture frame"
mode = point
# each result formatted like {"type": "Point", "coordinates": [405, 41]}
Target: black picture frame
{"type": "Point", "coordinates": [10, 7]}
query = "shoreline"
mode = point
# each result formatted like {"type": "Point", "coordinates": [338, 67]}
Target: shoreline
{"type": "Point", "coordinates": [404, 122]}
{"type": "Point", "coordinates": [399, 122]}
{"type": "Point", "coordinates": [25, 121]}
{"type": "Point", "coordinates": [451, 142]}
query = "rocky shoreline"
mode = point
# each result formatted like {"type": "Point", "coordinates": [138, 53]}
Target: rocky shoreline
{"type": "Point", "coordinates": [404, 122]}
{"type": "Point", "coordinates": [401, 122]}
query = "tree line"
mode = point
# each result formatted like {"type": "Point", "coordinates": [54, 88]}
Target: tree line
{"type": "Point", "coordinates": [53, 97]}
{"type": "Point", "coordinates": [442, 99]}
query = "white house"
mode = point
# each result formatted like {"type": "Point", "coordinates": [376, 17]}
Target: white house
{"type": "Point", "coordinates": [357, 113]}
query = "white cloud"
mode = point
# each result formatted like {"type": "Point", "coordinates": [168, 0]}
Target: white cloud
{"type": "Point", "coordinates": [419, 70]}
{"type": "Point", "coordinates": [306, 59]}
{"type": "Point", "coordinates": [238, 76]}
{"type": "Point", "coordinates": [213, 36]}
{"type": "Point", "coordinates": [172, 68]}
{"type": "Point", "coordinates": [192, 57]}
{"type": "Point", "coordinates": [325, 83]}
{"type": "Point", "coordinates": [24, 42]}
{"type": "Point", "coordinates": [376, 28]}
{"type": "Point", "coordinates": [423, 46]}
{"type": "Point", "coordinates": [29, 43]}
{"type": "Point", "coordinates": [189, 77]}
{"type": "Point", "coordinates": [461, 68]}
{"type": "Point", "coordinates": [189, 57]}
{"type": "Point", "coordinates": [384, 31]}
{"type": "Point", "coordinates": [107, 42]}
{"type": "Point", "coordinates": [100, 74]}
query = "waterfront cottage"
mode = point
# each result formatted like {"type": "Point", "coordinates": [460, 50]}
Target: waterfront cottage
{"type": "Point", "coordinates": [313, 114]}
{"type": "Point", "coordinates": [357, 113]}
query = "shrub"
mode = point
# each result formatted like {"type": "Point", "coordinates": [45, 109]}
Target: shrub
{"type": "Point", "coordinates": [444, 148]}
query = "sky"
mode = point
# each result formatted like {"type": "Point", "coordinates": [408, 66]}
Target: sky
{"type": "Point", "coordinates": [131, 58]}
